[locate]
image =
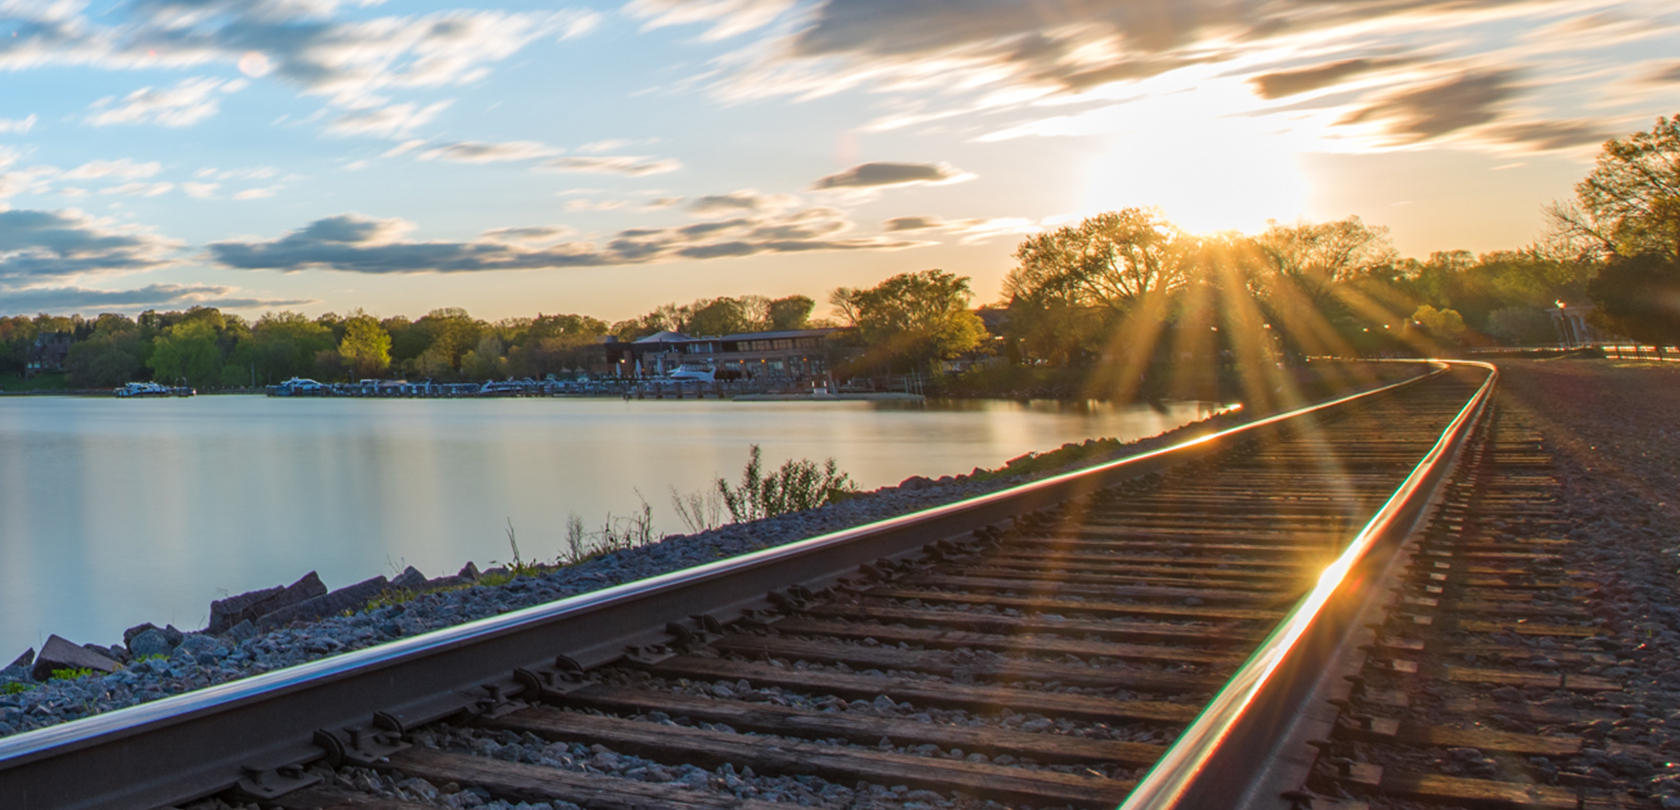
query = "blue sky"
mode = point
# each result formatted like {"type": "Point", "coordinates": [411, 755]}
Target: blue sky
{"type": "Point", "coordinates": [516, 158]}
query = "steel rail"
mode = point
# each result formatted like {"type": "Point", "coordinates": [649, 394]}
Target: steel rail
{"type": "Point", "coordinates": [1248, 745]}
{"type": "Point", "coordinates": [188, 746]}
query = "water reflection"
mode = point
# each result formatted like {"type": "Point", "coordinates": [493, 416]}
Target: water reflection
{"type": "Point", "coordinates": [113, 513]}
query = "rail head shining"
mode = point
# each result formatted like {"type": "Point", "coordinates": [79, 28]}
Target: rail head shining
{"type": "Point", "coordinates": [1240, 726]}
{"type": "Point", "coordinates": [488, 649]}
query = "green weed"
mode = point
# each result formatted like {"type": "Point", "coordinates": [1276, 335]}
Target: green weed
{"type": "Point", "coordinates": [71, 674]}
{"type": "Point", "coordinates": [16, 688]}
{"type": "Point", "coordinates": [797, 486]}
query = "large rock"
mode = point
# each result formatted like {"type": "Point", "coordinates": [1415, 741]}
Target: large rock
{"type": "Point", "coordinates": [150, 644]}
{"type": "Point", "coordinates": [27, 659]}
{"type": "Point", "coordinates": [59, 654]}
{"type": "Point", "coordinates": [410, 579]}
{"type": "Point", "coordinates": [350, 598]}
{"type": "Point", "coordinates": [225, 613]}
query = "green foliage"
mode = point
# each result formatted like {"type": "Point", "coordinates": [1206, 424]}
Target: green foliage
{"type": "Point", "coordinates": [366, 347]}
{"type": "Point", "coordinates": [1639, 297]}
{"type": "Point", "coordinates": [914, 318]}
{"type": "Point", "coordinates": [1443, 324]}
{"type": "Point", "coordinates": [792, 312]}
{"type": "Point", "coordinates": [1522, 326]}
{"type": "Point", "coordinates": [1630, 204]}
{"type": "Point", "coordinates": [188, 350]}
{"type": "Point", "coordinates": [70, 674]}
{"type": "Point", "coordinates": [15, 688]}
{"type": "Point", "coordinates": [797, 486]}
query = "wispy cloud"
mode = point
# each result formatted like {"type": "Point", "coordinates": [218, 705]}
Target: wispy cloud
{"type": "Point", "coordinates": [358, 244]}
{"type": "Point", "coordinates": [30, 300]}
{"type": "Point", "coordinates": [185, 104]}
{"type": "Point", "coordinates": [391, 121]}
{"type": "Point", "coordinates": [968, 231]}
{"type": "Point", "coordinates": [479, 152]}
{"type": "Point", "coordinates": [625, 165]}
{"type": "Point", "coordinates": [877, 175]}
{"type": "Point", "coordinates": [1467, 100]}
{"type": "Point", "coordinates": [121, 168]}
{"type": "Point", "coordinates": [17, 125]}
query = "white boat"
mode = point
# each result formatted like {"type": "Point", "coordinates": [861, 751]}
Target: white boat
{"type": "Point", "coordinates": [692, 373]}
{"type": "Point", "coordinates": [297, 387]}
{"type": "Point", "coordinates": [152, 389]}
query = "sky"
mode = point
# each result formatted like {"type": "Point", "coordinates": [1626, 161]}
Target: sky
{"type": "Point", "coordinates": [515, 158]}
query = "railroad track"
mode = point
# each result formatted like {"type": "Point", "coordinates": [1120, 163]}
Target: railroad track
{"type": "Point", "coordinates": [1486, 684]}
{"type": "Point", "coordinates": [1159, 631]}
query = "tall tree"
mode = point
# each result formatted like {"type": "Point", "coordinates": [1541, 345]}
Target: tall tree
{"type": "Point", "coordinates": [188, 351]}
{"type": "Point", "coordinates": [916, 317]}
{"type": "Point", "coordinates": [1630, 203]}
{"type": "Point", "coordinates": [366, 347]}
{"type": "Point", "coordinates": [1110, 260]}
{"type": "Point", "coordinates": [792, 312]}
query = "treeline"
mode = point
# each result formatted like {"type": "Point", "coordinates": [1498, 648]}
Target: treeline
{"type": "Point", "coordinates": [209, 348]}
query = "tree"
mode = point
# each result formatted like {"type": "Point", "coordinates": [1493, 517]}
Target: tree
{"type": "Point", "coordinates": [366, 347]}
{"type": "Point", "coordinates": [1109, 260]}
{"type": "Point", "coordinates": [792, 312]}
{"type": "Point", "coordinates": [1630, 204]}
{"type": "Point", "coordinates": [1311, 259]}
{"type": "Point", "coordinates": [282, 345]}
{"type": "Point", "coordinates": [188, 351]}
{"type": "Point", "coordinates": [916, 317]}
{"type": "Point", "coordinates": [1639, 297]}
{"type": "Point", "coordinates": [1522, 326]}
{"type": "Point", "coordinates": [109, 357]}
{"type": "Point", "coordinates": [1444, 324]}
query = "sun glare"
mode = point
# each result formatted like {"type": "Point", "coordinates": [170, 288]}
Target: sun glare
{"type": "Point", "coordinates": [1206, 170]}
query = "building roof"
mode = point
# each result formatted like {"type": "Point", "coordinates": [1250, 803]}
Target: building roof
{"type": "Point", "coordinates": [666, 336]}
{"type": "Point", "coordinates": [781, 335]}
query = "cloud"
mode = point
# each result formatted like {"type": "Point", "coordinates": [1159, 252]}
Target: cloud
{"type": "Point", "coordinates": [185, 104]}
{"type": "Point", "coordinates": [897, 224]}
{"type": "Point", "coordinates": [37, 244]}
{"type": "Point", "coordinates": [202, 191]}
{"type": "Point", "coordinates": [728, 17]}
{"type": "Point", "coordinates": [625, 165]}
{"type": "Point", "coordinates": [875, 175]}
{"type": "Point", "coordinates": [1668, 75]}
{"type": "Point", "coordinates": [581, 204]}
{"type": "Point", "coordinates": [261, 193]}
{"type": "Point", "coordinates": [358, 244]}
{"type": "Point", "coordinates": [139, 189]}
{"type": "Point", "coordinates": [121, 168]}
{"type": "Point", "coordinates": [1544, 136]}
{"type": "Point", "coordinates": [18, 125]}
{"type": "Point", "coordinates": [970, 231]}
{"type": "Point", "coordinates": [351, 59]}
{"type": "Point", "coordinates": [393, 121]}
{"type": "Point", "coordinates": [478, 152]}
{"type": "Point", "coordinates": [29, 300]}
{"type": "Point", "coordinates": [1277, 85]}
{"type": "Point", "coordinates": [748, 201]}
{"type": "Point", "coordinates": [1470, 99]}
{"type": "Point", "coordinates": [533, 233]}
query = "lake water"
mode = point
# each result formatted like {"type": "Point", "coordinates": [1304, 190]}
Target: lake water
{"type": "Point", "coordinates": [114, 512]}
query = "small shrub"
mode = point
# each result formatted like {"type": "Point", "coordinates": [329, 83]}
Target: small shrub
{"type": "Point", "coordinates": [15, 688]}
{"type": "Point", "coordinates": [70, 674]}
{"type": "Point", "coordinates": [700, 511]}
{"type": "Point", "coordinates": [797, 486]}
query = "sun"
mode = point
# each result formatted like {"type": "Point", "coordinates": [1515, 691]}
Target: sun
{"type": "Point", "coordinates": [1207, 169]}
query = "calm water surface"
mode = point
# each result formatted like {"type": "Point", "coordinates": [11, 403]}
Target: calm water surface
{"type": "Point", "coordinates": [117, 512]}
